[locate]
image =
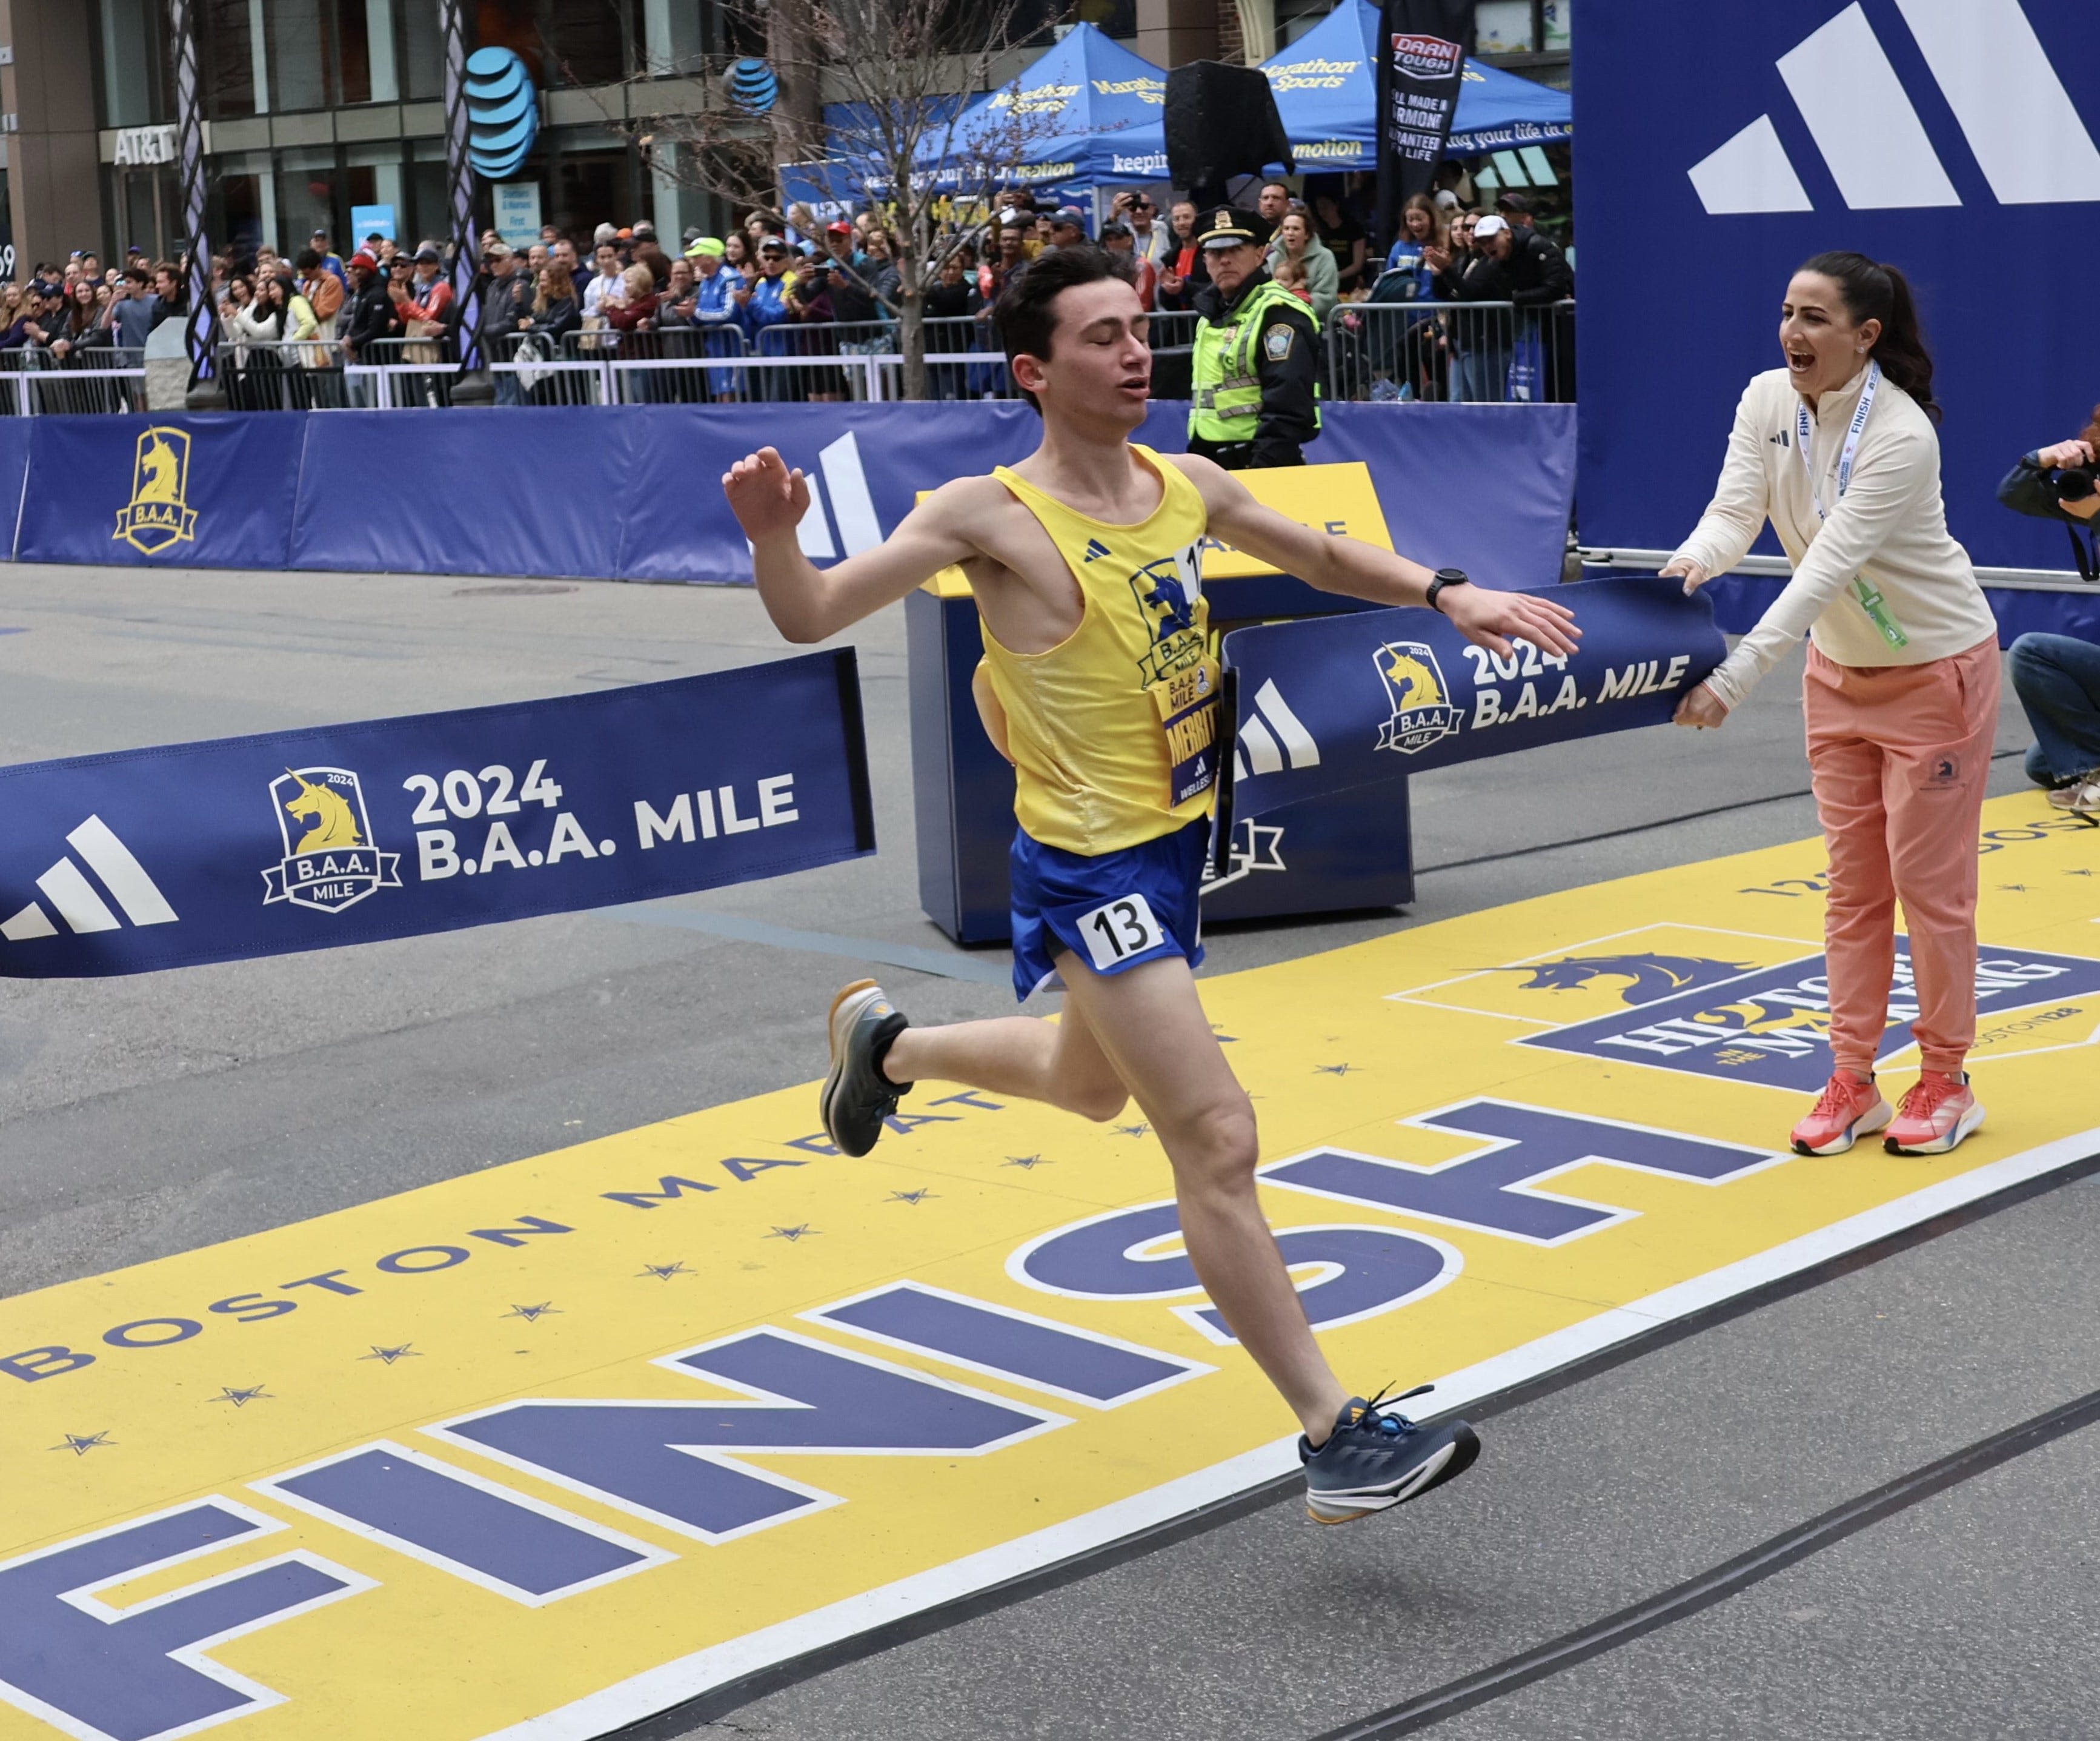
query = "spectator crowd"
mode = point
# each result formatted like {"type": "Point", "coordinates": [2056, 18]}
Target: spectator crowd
{"type": "Point", "coordinates": [809, 289]}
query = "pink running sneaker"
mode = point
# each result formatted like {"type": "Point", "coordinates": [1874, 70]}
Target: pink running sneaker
{"type": "Point", "coordinates": [1937, 1114]}
{"type": "Point", "coordinates": [1847, 1109]}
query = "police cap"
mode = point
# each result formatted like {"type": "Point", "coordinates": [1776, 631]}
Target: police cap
{"type": "Point", "coordinates": [1229, 226]}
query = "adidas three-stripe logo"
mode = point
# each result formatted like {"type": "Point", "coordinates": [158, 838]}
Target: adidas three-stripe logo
{"type": "Point", "coordinates": [78, 901]}
{"type": "Point", "coordinates": [1095, 548]}
{"type": "Point", "coordinates": [1269, 734]}
{"type": "Point", "coordinates": [1990, 66]}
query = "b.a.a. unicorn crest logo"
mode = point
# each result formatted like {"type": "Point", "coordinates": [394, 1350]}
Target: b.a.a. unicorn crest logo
{"type": "Point", "coordinates": [1422, 710]}
{"type": "Point", "coordinates": [158, 516]}
{"type": "Point", "coordinates": [329, 861]}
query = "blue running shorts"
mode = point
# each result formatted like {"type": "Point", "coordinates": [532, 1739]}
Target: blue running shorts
{"type": "Point", "coordinates": [1112, 911]}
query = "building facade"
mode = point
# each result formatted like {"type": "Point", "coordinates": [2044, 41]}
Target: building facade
{"type": "Point", "coordinates": [329, 114]}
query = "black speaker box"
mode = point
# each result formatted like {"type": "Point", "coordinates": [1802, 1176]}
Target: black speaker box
{"type": "Point", "coordinates": [1220, 122]}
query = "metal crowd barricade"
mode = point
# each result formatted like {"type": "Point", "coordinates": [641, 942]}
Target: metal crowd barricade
{"type": "Point", "coordinates": [536, 368]}
{"type": "Point", "coordinates": [408, 372]}
{"type": "Point", "coordinates": [1460, 353]}
{"type": "Point", "coordinates": [89, 380]}
{"type": "Point", "coordinates": [286, 374]}
{"type": "Point", "coordinates": [663, 366]}
{"type": "Point", "coordinates": [806, 340]}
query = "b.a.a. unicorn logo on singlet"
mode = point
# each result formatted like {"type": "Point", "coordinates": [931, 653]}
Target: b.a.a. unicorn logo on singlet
{"type": "Point", "coordinates": [329, 861]}
{"type": "Point", "coordinates": [1422, 710]}
{"type": "Point", "coordinates": [158, 516]}
{"type": "Point", "coordinates": [1168, 591]}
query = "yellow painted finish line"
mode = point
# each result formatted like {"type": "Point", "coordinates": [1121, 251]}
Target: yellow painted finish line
{"type": "Point", "coordinates": [541, 1450]}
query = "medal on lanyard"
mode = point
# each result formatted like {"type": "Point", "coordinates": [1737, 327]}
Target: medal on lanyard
{"type": "Point", "coordinates": [1864, 590]}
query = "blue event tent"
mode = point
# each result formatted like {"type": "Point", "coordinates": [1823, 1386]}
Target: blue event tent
{"type": "Point", "coordinates": [1086, 114]}
{"type": "Point", "coordinates": [1326, 90]}
{"type": "Point", "coordinates": [1092, 112]}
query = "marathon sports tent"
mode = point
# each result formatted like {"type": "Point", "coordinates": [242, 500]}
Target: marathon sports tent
{"type": "Point", "coordinates": [1326, 90]}
{"type": "Point", "coordinates": [1086, 115]}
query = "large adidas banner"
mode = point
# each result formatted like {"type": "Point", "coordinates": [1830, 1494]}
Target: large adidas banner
{"type": "Point", "coordinates": [1936, 134]}
{"type": "Point", "coordinates": [1330, 704]}
{"type": "Point", "coordinates": [185, 853]}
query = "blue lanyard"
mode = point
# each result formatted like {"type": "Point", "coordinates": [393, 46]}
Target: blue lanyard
{"type": "Point", "coordinates": [1851, 447]}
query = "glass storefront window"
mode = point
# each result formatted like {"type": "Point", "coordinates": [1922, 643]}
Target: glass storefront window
{"type": "Point", "coordinates": [372, 176]}
{"type": "Point", "coordinates": [423, 50]}
{"type": "Point", "coordinates": [244, 187]}
{"type": "Point", "coordinates": [130, 51]}
{"type": "Point", "coordinates": [229, 59]}
{"type": "Point", "coordinates": [298, 32]}
{"type": "Point", "coordinates": [369, 63]}
{"type": "Point", "coordinates": [1505, 26]}
{"type": "Point", "coordinates": [306, 184]}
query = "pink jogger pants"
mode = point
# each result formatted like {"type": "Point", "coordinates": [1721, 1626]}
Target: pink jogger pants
{"type": "Point", "coordinates": [1899, 755]}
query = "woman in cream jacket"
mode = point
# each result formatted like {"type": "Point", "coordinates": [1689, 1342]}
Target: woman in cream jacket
{"type": "Point", "coordinates": [1839, 451]}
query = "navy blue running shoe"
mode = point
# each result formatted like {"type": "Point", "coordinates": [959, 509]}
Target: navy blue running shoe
{"type": "Point", "coordinates": [1378, 1457]}
{"type": "Point", "coordinates": [857, 1096]}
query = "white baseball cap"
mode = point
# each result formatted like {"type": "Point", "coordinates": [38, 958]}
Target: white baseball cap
{"type": "Point", "coordinates": [1490, 225]}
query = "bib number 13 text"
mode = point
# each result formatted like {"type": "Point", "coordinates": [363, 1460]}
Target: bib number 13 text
{"type": "Point", "coordinates": [1119, 930]}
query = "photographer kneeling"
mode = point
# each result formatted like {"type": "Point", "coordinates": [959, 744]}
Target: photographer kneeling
{"type": "Point", "coordinates": [2057, 677]}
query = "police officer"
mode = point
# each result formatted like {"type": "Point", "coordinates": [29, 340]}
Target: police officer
{"type": "Point", "coordinates": [1256, 367]}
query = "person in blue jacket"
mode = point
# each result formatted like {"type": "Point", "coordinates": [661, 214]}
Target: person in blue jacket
{"type": "Point", "coordinates": [2057, 677]}
{"type": "Point", "coordinates": [715, 307]}
{"type": "Point", "coordinates": [767, 304]}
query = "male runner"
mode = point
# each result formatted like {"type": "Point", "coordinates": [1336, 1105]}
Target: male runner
{"type": "Point", "coordinates": [1083, 559]}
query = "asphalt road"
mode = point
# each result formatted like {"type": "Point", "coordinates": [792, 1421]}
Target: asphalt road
{"type": "Point", "coordinates": [140, 1117]}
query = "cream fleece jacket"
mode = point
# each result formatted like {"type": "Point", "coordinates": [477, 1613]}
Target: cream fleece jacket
{"type": "Point", "coordinates": [1888, 534]}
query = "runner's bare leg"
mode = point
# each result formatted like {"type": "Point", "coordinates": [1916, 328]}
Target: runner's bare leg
{"type": "Point", "coordinates": [1057, 1063]}
{"type": "Point", "coordinates": [1147, 1026]}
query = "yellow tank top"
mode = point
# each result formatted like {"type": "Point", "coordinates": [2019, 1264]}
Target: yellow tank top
{"type": "Point", "coordinates": [1112, 731]}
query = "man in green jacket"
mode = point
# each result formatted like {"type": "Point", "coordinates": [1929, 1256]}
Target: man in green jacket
{"type": "Point", "coordinates": [1255, 370]}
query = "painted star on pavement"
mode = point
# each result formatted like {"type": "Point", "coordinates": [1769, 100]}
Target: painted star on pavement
{"type": "Point", "coordinates": [1025, 1162]}
{"type": "Point", "coordinates": [1135, 1130]}
{"type": "Point", "coordinates": [802, 1230]}
{"type": "Point", "coordinates": [254, 1393]}
{"type": "Point", "coordinates": [81, 1443]}
{"type": "Point", "coordinates": [1333, 1069]}
{"type": "Point", "coordinates": [406, 1351]}
{"type": "Point", "coordinates": [913, 1197]}
{"type": "Point", "coordinates": [664, 1271]}
{"type": "Point", "coordinates": [530, 1313]}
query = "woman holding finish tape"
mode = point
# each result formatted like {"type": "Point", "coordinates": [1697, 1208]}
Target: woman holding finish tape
{"type": "Point", "coordinates": [1838, 450]}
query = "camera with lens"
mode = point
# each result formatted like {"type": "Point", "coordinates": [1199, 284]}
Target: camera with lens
{"type": "Point", "coordinates": [2073, 484]}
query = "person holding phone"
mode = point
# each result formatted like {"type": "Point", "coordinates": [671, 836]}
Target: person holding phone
{"type": "Point", "coordinates": [1838, 450]}
{"type": "Point", "coordinates": [2057, 677]}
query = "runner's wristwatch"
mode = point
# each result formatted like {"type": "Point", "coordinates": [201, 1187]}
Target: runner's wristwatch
{"type": "Point", "coordinates": [1446, 577]}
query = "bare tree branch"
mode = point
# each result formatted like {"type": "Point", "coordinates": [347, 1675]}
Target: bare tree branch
{"type": "Point", "coordinates": [898, 138]}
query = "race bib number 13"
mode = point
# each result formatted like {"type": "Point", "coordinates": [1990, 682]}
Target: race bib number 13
{"type": "Point", "coordinates": [1119, 930]}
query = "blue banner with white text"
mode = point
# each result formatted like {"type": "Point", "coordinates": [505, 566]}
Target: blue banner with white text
{"type": "Point", "coordinates": [184, 853]}
{"type": "Point", "coordinates": [632, 492]}
{"type": "Point", "coordinates": [1329, 704]}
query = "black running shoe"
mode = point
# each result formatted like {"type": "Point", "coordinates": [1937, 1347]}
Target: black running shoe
{"type": "Point", "coordinates": [857, 1096]}
{"type": "Point", "coordinates": [1375, 1458]}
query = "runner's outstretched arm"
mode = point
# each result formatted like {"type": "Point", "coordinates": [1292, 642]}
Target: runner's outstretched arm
{"type": "Point", "coordinates": [807, 603]}
{"type": "Point", "coordinates": [1483, 614]}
